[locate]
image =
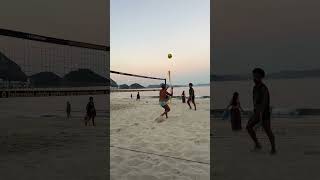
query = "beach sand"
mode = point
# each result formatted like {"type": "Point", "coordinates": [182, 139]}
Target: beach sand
{"type": "Point", "coordinates": [143, 148]}
{"type": "Point", "coordinates": [37, 142]}
{"type": "Point", "coordinates": [298, 156]}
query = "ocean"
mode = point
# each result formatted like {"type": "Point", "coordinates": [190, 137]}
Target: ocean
{"type": "Point", "coordinates": [200, 92]}
{"type": "Point", "coordinates": [286, 95]}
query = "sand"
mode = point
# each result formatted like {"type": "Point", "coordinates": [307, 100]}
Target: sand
{"type": "Point", "coordinates": [37, 142]}
{"type": "Point", "coordinates": [298, 154]}
{"type": "Point", "coordinates": [144, 148]}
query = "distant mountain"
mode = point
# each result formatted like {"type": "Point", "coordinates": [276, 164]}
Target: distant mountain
{"type": "Point", "coordinates": [45, 79]}
{"type": "Point", "coordinates": [295, 74]}
{"type": "Point", "coordinates": [159, 86]}
{"type": "Point", "coordinates": [154, 86]}
{"type": "Point", "coordinates": [124, 86]}
{"type": "Point", "coordinates": [229, 77]}
{"type": "Point", "coordinates": [136, 86]}
{"type": "Point", "coordinates": [277, 75]}
{"type": "Point", "coordinates": [113, 83]}
{"type": "Point", "coordinates": [10, 71]}
{"type": "Point", "coordinates": [84, 77]}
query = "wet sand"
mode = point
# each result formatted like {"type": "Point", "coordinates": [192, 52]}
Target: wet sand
{"type": "Point", "coordinates": [38, 142]}
{"type": "Point", "coordinates": [298, 154]}
{"type": "Point", "coordinates": [143, 148]}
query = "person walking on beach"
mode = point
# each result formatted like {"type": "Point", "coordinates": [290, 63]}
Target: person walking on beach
{"type": "Point", "coordinates": [138, 96]}
{"type": "Point", "coordinates": [163, 99]}
{"type": "Point", "coordinates": [68, 110]}
{"type": "Point", "coordinates": [261, 102]}
{"type": "Point", "coordinates": [235, 112]}
{"type": "Point", "coordinates": [131, 95]}
{"type": "Point", "coordinates": [191, 97]}
{"type": "Point", "coordinates": [183, 97]}
{"type": "Point", "coordinates": [91, 112]}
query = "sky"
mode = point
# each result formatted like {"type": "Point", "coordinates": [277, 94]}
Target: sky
{"type": "Point", "coordinates": [77, 20]}
{"type": "Point", "coordinates": [273, 34]}
{"type": "Point", "coordinates": [143, 32]}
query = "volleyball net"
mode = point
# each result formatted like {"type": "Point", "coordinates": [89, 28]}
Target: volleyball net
{"type": "Point", "coordinates": [127, 82]}
{"type": "Point", "coordinates": [30, 61]}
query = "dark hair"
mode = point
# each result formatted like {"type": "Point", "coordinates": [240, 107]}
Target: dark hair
{"type": "Point", "coordinates": [190, 84]}
{"type": "Point", "coordinates": [163, 85]}
{"type": "Point", "coordinates": [234, 98]}
{"type": "Point", "coordinates": [90, 98]}
{"type": "Point", "coordinates": [259, 71]}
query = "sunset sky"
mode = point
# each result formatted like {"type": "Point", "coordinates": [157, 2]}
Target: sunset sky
{"type": "Point", "coordinates": [143, 32]}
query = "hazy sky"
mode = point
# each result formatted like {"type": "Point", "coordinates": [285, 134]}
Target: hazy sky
{"type": "Point", "coordinates": [274, 34]}
{"type": "Point", "coordinates": [79, 20]}
{"type": "Point", "coordinates": [143, 32]}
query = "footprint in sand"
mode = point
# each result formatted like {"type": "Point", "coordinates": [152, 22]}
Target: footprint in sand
{"type": "Point", "coordinates": [159, 119]}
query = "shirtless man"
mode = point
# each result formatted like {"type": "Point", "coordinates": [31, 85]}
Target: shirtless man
{"type": "Point", "coordinates": [191, 97]}
{"type": "Point", "coordinates": [91, 112]}
{"type": "Point", "coordinates": [163, 99]}
{"type": "Point", "coordinates": [261, 102]}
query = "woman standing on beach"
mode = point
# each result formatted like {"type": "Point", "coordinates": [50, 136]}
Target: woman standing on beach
{"type": "Point", "coordinates": [235, 112]}
{"type": "Point", "coordinates": [183, 97]}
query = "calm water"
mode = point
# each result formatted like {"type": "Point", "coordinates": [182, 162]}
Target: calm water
{"type": "Point", "coordinates": [203, 91]}
{"type": "Point", "coordinates": [285, 94]}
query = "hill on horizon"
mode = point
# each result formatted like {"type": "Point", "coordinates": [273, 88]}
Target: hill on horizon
{"type": "Point", "coordinates": [11, 71]}
{"type": "Point", "coordinates": [136, 86]}
{"type": "Point", "coordinates": [85, 77]}
{"type": "Point", "coordinates": [124, 86]}
{"type": "Point", "coordinates": [286, 74]}
{"type": "Point", "coordinates": [45, 79]}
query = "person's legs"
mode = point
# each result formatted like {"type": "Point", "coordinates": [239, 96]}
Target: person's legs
{"type": "Point", "coordinates": [167, 109]}
{"type": "Point", "coordinates": [93, 120]}
{"type": "Point", "coordinates": [189, 99]}
{"type": "Point", "coordinates": [163, 106]}
{"type": "Point", "coordinates": [195, 107]}
{"type": "Point", "coordinates": [251, 123]}
{"type": "Point", "coordinates": [267, 127]}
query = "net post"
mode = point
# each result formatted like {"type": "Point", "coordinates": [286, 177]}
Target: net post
{"type": "Point", "coordinates": [165, 82]}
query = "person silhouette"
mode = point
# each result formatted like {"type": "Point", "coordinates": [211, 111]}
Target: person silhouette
{"type": "Point", "coordinates": [235, 112]}
{"type": "Point", "coordinates": [138, 96]}
{"type": "Point", "coordinates": [183, 97]}
{"type": "Point", "coordinates": [191, 97]}
{"type": "Point", "coordinates": [261, 102]}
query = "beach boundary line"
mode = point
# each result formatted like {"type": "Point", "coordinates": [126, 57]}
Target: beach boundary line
{"type": "Point", "coordinates": [155, 154]}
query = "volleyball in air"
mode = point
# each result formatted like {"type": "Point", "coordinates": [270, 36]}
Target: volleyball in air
{"type": "Point", "coordinates": [169, 56]}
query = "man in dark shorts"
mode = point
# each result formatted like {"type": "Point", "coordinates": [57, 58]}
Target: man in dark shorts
{"type": "Point", "coordinates": [261, 102]}
{"type": "Point", "coordinates": [138, 96]}
{"type": "Point", "coordinates": [91, 112]}
{"type": "Point", "coordinates": [191, 97]}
